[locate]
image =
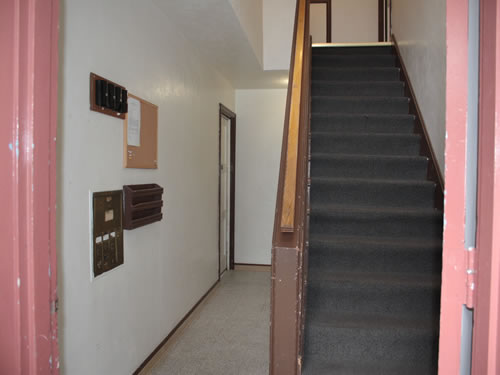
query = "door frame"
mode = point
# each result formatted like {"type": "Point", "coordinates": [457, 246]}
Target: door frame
{"type": "Point", "coordinates": [384, 20]}
{"type": "Point", "coordinates": [328, 17]}
{"type": "Point", "coordinates": [471, 276]}
{"type": "Point", "coordinates": [226, 112]}
{"type": "Point", "coordinates": [29, 32]}
{"type": "Point", "coordinates": [486, 333]}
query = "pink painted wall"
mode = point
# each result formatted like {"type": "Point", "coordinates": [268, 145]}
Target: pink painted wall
{"type": "Point", "coordinates": [454, 273]}
{"type": "Point", "coordinates": [28, 109]}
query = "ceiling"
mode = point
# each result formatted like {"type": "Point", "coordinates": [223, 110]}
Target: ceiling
{"type": "Point", "coordinates": [214, 29]}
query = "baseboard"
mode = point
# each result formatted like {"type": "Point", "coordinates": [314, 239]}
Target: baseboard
{"type": "Point", "coordinates": [252, 267]}
{"type": "Point", "coordinates": [433, 172]}
{"type": "Point", "coordinates": [173, 331]}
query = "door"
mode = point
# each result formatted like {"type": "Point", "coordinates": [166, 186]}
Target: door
{"type": "Point", "coordinates": [225, 193]}
{"type": "Point", "coordinates": [320, 18]}
{"type": "Point", "coordinates": [227, 184]}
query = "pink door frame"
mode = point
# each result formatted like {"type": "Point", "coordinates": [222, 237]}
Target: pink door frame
{"type": "Point", "coordinates": [453, 290]}
{"type": "Point", "coordinates": [28, 113]}
{"type": "Point", "coordinates": [486, 337]}
{"type": "Point", "coordinates": [457, 289]}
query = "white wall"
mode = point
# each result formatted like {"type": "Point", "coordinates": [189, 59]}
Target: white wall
{"type": "Point", "coordinates": [250, 15]}
{"type": "Point", "coordinates": [259, 132]}
{"type": "Point", "coordinates": [108, 326]}
{"type": "Point", "coordinates": [420, 29]}
{"type": "Point", "coordinates": [279, 17]}
{"type": "Point", "coordinates": [354, 21]}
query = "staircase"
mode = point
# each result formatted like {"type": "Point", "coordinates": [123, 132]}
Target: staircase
{"type": "Point", "coordinates": [373, 287]}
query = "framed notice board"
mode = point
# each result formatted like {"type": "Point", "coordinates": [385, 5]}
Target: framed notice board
{"type": "Point", "coordinates": [140, 134]}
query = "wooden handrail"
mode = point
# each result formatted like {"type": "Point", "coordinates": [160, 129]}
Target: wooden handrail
{"type": "Point", "coordinates": [290, 234]}
{"type": "Point", "coordinates": [294, 109]}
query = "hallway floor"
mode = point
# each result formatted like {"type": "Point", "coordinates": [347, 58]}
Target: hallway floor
{"type": "Point", "coordinates": [227, 334]}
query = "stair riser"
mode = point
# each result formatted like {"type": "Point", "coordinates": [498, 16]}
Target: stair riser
{"type": "Point", "coordinates": [348, 89]}
{"type": "Point", "coordinates": [357, 298]}
{"type": "Point", "coordinates": [373, 259]}
{"type": "Point", "coordinates": [365, 194]}
{"type": "Point", "coordinates": [367, 145]}
{"type": "Point", "coordinates": [371, 345]}
{"type": "Point", "coordinates": [384, 226]}
{"type": "Point", "coordinates": [370, 61]}
{"type": "Point", "coordinates": [363, 168]}
{"type": "Point", "coordinates": [360, 105]}
{"type": "Point", "coordinates": [373, 74]}
{"type": "Point", "coordinates": [321, 51]}
{"type": "Point", "coordinates": [363, 124]}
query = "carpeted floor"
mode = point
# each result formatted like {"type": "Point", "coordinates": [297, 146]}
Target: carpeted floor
{"type": "Point", "coordinates": [227, 334]}
{"type": "Point", "coordinates": [375, 238]}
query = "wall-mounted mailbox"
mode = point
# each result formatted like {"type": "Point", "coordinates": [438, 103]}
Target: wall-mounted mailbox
{"type": "Point", "coordinates": [107, 231]}
{"type": "Point", "coordinates": [142, 205]}
{"type": "Point", "coordinates": [108, 97]}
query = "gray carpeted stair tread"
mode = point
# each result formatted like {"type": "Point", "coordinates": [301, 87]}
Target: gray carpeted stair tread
{"type": "Point", "coordinates": [366, 143]}
{"type": "Point", "coordinates": [377, 279]}
{"type": "Point", "coordinates": [410, 346]}
{"type": "Point", "coordinates": [375, 238]}
{"type": "Point", "coordinates": [367, 60]}
{"type": "Point", "coordinates": [378, 50]}
{"type": "Point", "coordinates": [364, 88]}
{"type": "Point", "coordinates": [373, 254]}
{"type": "Point", "coordinates": [367, 123]}
{"type": "Point", "coordinates": [356, 104]}
{"type": "Point", "coordinates": [368, 166]}
{"type": "Point", "coordinates": [370, 193]}
{"type": "Point", "coordinates": [352, 220]}
{"type": "Point", "coordinates": [355, 74]}
{"type": "Point", "coordinates": [376, 322]}
{"type": "Point", "coordinates": [340, 240]}
{"type": "Point", "coordinates": [314, 365]}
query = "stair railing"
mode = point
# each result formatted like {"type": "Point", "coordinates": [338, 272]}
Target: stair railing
{"type": "Point", "coordinates": [290, 243]}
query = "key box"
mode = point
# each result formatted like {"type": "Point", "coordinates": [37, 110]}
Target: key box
{"type": "Point", "coordinates": [107, 231]}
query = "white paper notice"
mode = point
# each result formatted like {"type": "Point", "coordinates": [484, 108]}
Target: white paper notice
{"type": "Point", "coordinates": [134, 122]}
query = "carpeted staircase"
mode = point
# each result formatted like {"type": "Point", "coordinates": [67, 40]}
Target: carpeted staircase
{"type": "Point", "coordinates": [374, 275]}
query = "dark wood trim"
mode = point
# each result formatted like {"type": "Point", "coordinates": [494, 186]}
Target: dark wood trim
{"type": "Point", "coordinates": [381, 20]}
{"type": "Point", "coordinates": [433, 172]}
{"type": "Point", "coordinates": [165, 340]}
{"type": "Point", "coordinates": [328, 17]}
{"type": "Point", "coordinates": [226, 112]}
{"type": "Point", "coordinates": [387, 19]}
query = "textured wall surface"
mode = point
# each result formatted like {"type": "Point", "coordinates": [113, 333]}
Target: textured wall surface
{"type": "Point", "coordinates": [109, 325]}
{"type": "Point", "coordinates": [420, 28]}
{"type": "Point", "coordinates": [259, 133]}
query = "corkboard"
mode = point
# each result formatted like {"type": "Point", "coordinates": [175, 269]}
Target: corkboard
{"type": "Point", "coordinates": [144, 156]}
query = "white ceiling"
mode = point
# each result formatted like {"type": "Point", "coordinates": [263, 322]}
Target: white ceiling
{"type": "Point", "coordinates": [214, 29]}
